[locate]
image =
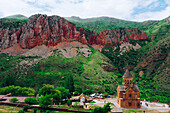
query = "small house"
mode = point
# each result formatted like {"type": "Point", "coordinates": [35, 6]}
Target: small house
{"type": "Point", "coordinates": [83, 98]}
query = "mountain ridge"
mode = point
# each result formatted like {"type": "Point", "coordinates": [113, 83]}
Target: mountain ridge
{"type": "Point", "coordinates": [41, 29]}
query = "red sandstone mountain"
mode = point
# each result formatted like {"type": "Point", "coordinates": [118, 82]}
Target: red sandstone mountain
{"type": "Point", "coordinates": [51, 30]}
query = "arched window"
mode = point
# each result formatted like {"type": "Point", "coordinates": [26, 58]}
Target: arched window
{"type": "Point", "coordinates": [127, 81]}
{"type": "Point", "coordinates": [130, 81]}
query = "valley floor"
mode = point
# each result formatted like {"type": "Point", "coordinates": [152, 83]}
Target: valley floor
{"type": "Point", "coordinates": [147, 107]}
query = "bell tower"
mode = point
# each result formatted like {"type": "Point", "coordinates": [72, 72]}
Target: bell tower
{"type": "Point", "coordinates": [127, 79]}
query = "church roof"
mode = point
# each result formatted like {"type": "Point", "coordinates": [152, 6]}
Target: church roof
{"type": "Point", "coordinates": [127, 74]}
{"type": "Point", "coordinates": [124, 88]}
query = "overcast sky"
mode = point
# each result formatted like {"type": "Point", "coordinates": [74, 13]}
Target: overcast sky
{"type": "Point", "coordinates": [135, 10]}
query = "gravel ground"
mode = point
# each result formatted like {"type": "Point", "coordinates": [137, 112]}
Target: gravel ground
{"type": "Point", "coordinates": [147, 106]}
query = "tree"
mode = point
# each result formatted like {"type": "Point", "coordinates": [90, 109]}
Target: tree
{"type": "Point", "coordinates": [69, 102]}
{"type": "Point", "coordinates": [105, 94]}
{"type": "Point", "coordinates": [26, 107]}
{"type": "Point", "coordinates": [45, 101]}
{"type": "Point", "coordinates": [21, 111]}
{"type": "Point", "coordinates": [17, 90]}
{"type": "Point", "coordinates": [88, 91]}
{"type": "Point", "coordinates": [57, 95]}
{"type": "Point", "coordinates": [47, 89]}
{"type": "Point", "coordinates": [69, 83]}
{"type": "Point", "coordinates": [31, 100]}
{"type": "Point", "coordinates": [76, 93]}
{"type": "Point", "coordinates": [78, 88]}
{"type": "Point", "coordinates": [105, 109]}
{"type": "Point", "coordinates": [65, 92]}
{"type": "Point", "coordinates": [13, 100]}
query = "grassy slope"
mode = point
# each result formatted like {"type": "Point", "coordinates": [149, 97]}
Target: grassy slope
{"type": "Point", "coordinates": [13, 22]}
{"type": "Point", "coordinates": [102, 23]}
{"type": "Point", "coordinates": [17, 16]}
{"type": "Point", "coordinates": [87, 72]}
{"type": "Point", "coordinates": [153, 60]}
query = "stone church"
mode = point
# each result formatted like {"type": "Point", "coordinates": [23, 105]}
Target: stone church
{"type": "Point", "coordinates": [128, 93]}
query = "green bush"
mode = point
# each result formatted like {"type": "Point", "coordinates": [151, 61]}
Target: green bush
{"type": "Point", "coordinates": [77, 104]}
{"type": "Point", "coordinates": [69, 102]}
{"type": "Point", "coordinates": [13, 100]}
{"type": "Point", "coordinates": [65, 92]}
{"type": "Point", "coordinates": [48, 89]}
{"type": "Point", "coordinates": [88, 92]}
{"type": "Point", "coordinates": [105, 94]}
{"type": "Point", "coordinates": [31, 100]}
{"type": "Point", "coordinates": [76, 93]}
{"type": "Point", "coordinates": [105, 109]}
{"type": "Point", "coordinates": [21, 111]}
{"type": "Point", "coordinates": [45, 101]}
{"type": "Point", "coordinates": [26, 107]}
{"type": "Point", "coordinates": [17, 90]}
{"type": "Point", "coordinates": [92, 102]}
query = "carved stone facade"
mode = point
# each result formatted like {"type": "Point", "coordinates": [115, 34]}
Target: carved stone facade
{"type": "Point", "coordinates": [128, 93]}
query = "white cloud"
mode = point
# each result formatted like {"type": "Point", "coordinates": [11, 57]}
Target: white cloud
{"type": "Point", "coordinates": [123, 9]}
{"type": "Point", "coordinates": [152, 15]}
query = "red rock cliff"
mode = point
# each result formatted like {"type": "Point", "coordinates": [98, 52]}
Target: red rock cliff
{"type": "Point", "coordinates": [51, 30]}
{"type": "Point", "coordinates": [109, 37]}
{"type": "Point", "coordinates": [41, 29]}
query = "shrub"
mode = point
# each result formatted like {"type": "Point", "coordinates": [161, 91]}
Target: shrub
{"type": "Point", "coordinates": [65, 92]}
{"type": "Point", "coordinates": [76, 105]}
{"type": "Point", "coordinates": [35, 110]}
{"type": "Point", "coordinates": [57, 95]}
{"type": "Point", "coordinates": [76, 93]}
{"type": "Point", "coordinates": [88, 92]}
{"type": "Point", "coordinates": [26, 107]}
{"type": "Point", "coordinates": [21, 111]}
{"type": "Point", "coordinates": [31, 100]}
{"type": "Point", "coordinates": [17, 90]}
{"type": "Point", "coordinates": [69, 102]}
{"type": "Point", "coordinates": [13, 100]}
{"type": "Point", "coordinates": [48, 89]}
{"type": "Point", "coordinates": [105, 109]}
{"type": "Point", "coordinates": [46, 101]}
{"type": "Point", "coordinates": [92, 102]}
{"type": "Point", "coordinates": [105, 95]}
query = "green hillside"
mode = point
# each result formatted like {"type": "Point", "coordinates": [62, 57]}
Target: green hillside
{"type": "Point", "coordinates": [17, 16]}
{"type": "Point", "coordinates": [152, 60]}
{"type": "Point", "coordinates": [102, 23]}
{"type": "Point", "coordinates": [87, 72]}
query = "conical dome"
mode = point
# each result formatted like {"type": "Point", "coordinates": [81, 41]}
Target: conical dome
{"type": "Point", "coordinates": [127, 74]}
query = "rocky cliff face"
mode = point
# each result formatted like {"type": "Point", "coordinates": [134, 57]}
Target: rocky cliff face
{"type": "Point", "coordinates": [41, 29]}
{"type": "Point", "coordinates": [51, 30]}
{"type": "Point", "coordinates": [110, 37]}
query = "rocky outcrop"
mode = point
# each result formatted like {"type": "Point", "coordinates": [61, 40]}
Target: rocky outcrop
{"type": "Point", "coordinates": [51, 30]}
{"type": "Point", "coordinates": [41, 29]}
{"type": "Point", "coordinates": [151, 59]}
{"type": "Point", "coordinates": [107, 67]}
{"type": "Point", "coordinates": [110, 37]}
